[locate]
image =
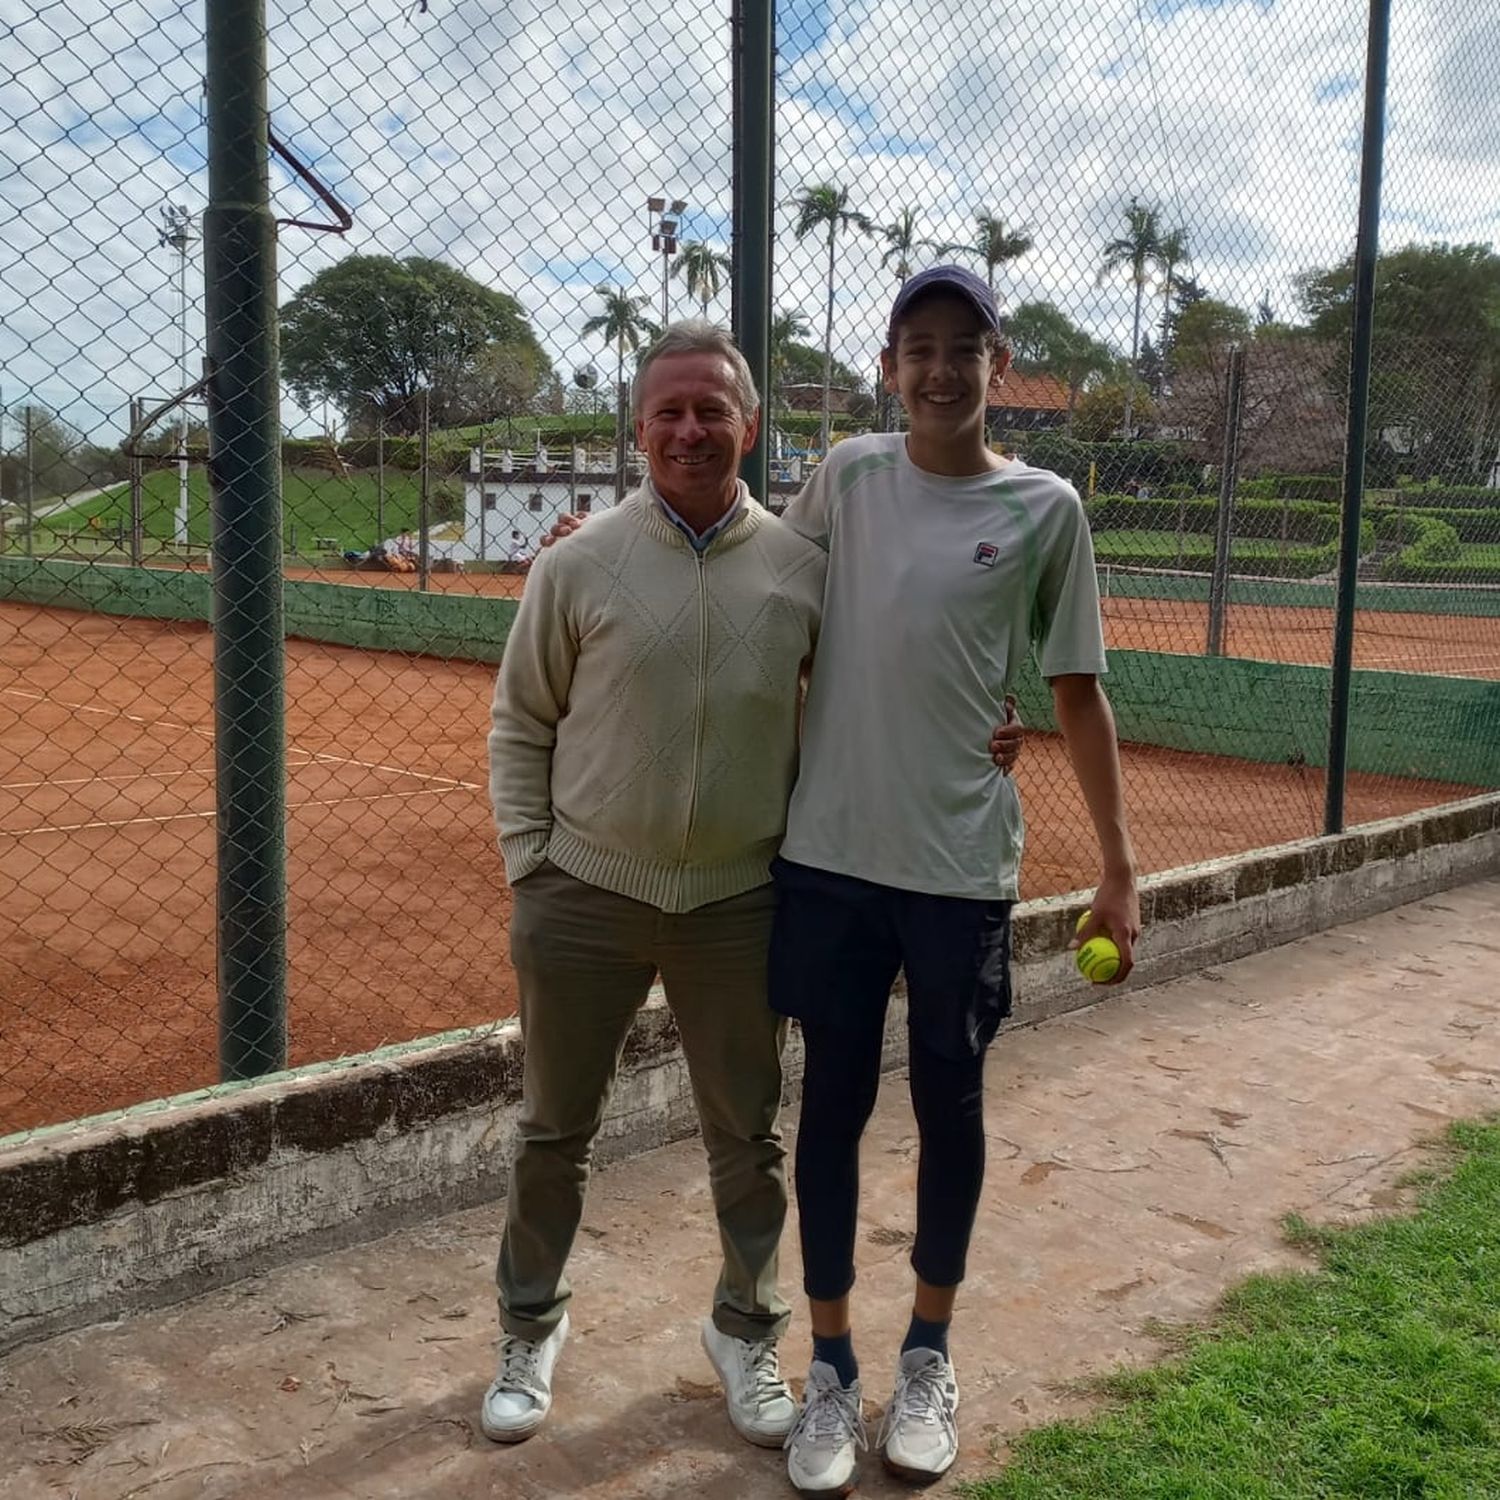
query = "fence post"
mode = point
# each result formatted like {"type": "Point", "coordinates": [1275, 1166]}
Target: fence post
{"type": "Point", "coordinates": [753, 24]}
{"type": "Point", "coordinates": [28, 474]}
{"type": "Point", "coordinates": [380, 478]}
{"type": "Point", "coordinates": [1218, 587]}
{"type": "Point", "coordinates": [424, 517]}
{"type": "Point", "coordinates": [137, 509]}
{"type": "Point", "coordinates": [239, 243]}
{"type": "Point", "coordinates": [1366, 246]}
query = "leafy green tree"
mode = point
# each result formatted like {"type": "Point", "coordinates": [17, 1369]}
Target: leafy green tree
{"type": "Point", "coordinates": [702, 269]}
{"type": "Point", "coordinates": [1435, 368]}
{"type": "Point", "coordinates": [1138, 250]}
{"type": "Point", "coordinates": [623, 324]}
{"type": "Point", "coordinates": [1045, 340]}
{"type": "Point", "coordinates": [823, 207]}
{"type": "Point", "coordinates": [371, 333]}
{"type": "Point", "coordinates": [1204, 332]}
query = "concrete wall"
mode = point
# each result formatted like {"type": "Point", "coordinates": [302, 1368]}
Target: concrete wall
{"type": "Point", "coordinates": [103, 1216]}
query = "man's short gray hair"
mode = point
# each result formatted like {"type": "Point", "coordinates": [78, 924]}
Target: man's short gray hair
{"type": "Point", "coordinates": [695, 336]}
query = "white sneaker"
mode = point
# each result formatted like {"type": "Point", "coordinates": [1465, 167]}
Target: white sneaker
{"type": "Point", "coordinates": [822, 1449]}
{"type": "Point", "coordinates": [919, 1437]}
{"type": "Point", "coordinates": [761, 1408]}
{"type": "Point", "coordinates": [520, 1396]}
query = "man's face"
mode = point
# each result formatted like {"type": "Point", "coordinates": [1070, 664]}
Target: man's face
{"type": "Point", "coordinates": [942, 367]}
{"type": "Point", "coordinates": [692, 430]}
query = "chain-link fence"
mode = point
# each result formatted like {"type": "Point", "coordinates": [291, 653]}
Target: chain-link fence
{"type": "Point", "coordinates": [1163, 195]}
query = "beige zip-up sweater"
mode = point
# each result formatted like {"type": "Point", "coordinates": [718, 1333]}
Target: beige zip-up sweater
{"type": "Point", "coordinates": [644, 729]}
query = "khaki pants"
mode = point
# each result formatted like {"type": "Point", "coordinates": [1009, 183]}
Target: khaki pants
{"type": "Point", "coordinates": [585, 959]}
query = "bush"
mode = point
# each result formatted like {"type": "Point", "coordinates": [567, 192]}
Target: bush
{"type": "Point", "coordinates": [1329, 488]}
{"type": "Point", "coordinates": [1425, 540]}
{"type": "Point", "coordinates": [1115, 464]}
{"type": "Point", "coordinates": [1471, 525]}
{"type": "Point", "coordinates": [1306, 523]}
{"type": "Point", "coordinates": [1298, 562]}
{"type": "Point", "coordinates": [1262, 488]}
{"type": "Point", "coordinates": [1446, 495]}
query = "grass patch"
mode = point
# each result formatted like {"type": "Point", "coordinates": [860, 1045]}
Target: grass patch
{"type": "Point", "coordinates": [314, 504]}
{"type": "Point", "coordinates": [1375, 1378]}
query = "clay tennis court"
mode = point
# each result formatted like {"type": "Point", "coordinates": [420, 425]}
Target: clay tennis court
{"type": "Point", "coordinates": [397, 901]}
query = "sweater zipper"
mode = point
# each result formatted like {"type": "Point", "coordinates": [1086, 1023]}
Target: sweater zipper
{"type": "Point", "coordinates": [702, 707]}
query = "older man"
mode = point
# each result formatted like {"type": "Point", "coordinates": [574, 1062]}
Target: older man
{"type": "Point", "coordinates": [643, 749]}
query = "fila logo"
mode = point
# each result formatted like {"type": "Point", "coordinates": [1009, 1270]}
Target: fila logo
{"type": "Point", "coordinates": [985, 554]}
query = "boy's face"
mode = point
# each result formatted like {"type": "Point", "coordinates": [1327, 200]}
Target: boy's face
{"type": "Point", "coordinates": [942, 366]}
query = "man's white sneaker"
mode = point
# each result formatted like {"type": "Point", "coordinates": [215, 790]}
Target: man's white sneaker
{"type": "Point", "coordinates": [919, 1437]}
{"type": "Point", "coordinates": [520, 1396]}
{"type": "Point", "coordinates": [822, 1449]}
{"type": "Point", "coordinates": [761, 1408]}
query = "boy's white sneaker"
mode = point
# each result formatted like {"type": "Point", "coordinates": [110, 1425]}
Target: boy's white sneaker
{"type": "Point", "coordinates": [761, 1408]}
{"type": "Point", "coordinates": [822, 1450]}
{"type": "Point", "coordinates": [520, 1396]}
{"type": "Point", "coordinates": [919, 1436]}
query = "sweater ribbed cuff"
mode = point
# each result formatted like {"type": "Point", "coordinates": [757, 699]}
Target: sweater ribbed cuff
{"type": "Point", "coordinates": [523, 852]}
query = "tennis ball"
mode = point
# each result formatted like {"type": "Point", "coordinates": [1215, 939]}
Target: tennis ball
{"type": "Point", "coordinates": [1087, 913]}
{"type": "Point", "coordinates": [1099, 960]}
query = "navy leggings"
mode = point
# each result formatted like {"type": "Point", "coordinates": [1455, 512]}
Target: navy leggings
{"type": "Point", "coordinates": [839, 1085]}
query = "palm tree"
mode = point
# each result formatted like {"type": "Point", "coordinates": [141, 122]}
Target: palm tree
{"type": "Point", "coordinates": [1171, 253]}
{"type": "Point", "coordinates": [787, 328]}
{"type": "Point", "coordinates": [702, 268]}
{"type": "Point", "coordinates": [901, 239]}
{"type": "Point", "coordinates": [622, 323]}
{"type": "Point", "coordinates": [1139, 248]}
{"type": "Point", "coordinates": [994, 244]}
{"type": "Point", "coordinates": [825, 205]}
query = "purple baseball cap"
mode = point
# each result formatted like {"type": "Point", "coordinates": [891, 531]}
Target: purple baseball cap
{"type": "Point", "coordinates": [957, 279]}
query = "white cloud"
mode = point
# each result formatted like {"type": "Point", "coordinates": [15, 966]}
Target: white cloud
{"type": "Point", "coordinates": [519, 142]}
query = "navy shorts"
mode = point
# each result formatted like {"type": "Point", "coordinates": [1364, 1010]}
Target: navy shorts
{"type": "Point", "coordinates": [837, 944]}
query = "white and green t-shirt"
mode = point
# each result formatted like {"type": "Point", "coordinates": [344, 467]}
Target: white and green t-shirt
{"type": "Point", "coordinates": [937, 590]}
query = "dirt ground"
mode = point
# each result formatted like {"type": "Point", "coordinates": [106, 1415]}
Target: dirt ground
{"type": "Point", "coordinates": [1142, 1155]}
{"type": "Point", "coordinates": [397, 903]}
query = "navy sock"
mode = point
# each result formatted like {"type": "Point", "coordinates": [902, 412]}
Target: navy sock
{"type": "Point", "coordinates": [925, 1335]}
{"type": "Point", "coordinates": [838, 1352]}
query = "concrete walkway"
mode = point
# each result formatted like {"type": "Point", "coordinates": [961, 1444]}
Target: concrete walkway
{"type": "Point", "coordinates": [1142, 1154]}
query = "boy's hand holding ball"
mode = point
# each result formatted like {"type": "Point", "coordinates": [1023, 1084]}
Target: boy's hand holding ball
{"type": "Point", "coordinates": [1098, 959]}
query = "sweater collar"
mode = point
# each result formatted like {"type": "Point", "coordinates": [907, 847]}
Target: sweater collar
{"type": "Point", "coordinates": [658, 517]}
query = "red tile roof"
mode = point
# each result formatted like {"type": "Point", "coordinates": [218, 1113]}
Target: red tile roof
{"type": "Point", "coordinates": [1032, 393]}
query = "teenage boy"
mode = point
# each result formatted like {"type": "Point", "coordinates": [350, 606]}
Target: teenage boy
{"type": "Point", "coordinates": [948, 564]}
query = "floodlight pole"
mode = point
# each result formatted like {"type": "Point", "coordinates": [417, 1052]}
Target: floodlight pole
{"type": "Point", "coordinates": [1366, 246]}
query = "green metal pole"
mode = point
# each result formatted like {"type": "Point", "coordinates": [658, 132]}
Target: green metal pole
{"type": "Point", "coordinates": [1365, 249]}
{"type": "Point", "coordinates": [754, 45]}
{"type": "Point", "coordinates": [244, 400]}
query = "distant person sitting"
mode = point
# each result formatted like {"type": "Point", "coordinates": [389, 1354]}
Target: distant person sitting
{"type": "Point", "coordinates": [406, 545]}
{"type": "Point", "coordinates": [519, 551]}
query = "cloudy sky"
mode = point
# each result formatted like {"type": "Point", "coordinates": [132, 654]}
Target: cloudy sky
{"type": "Point", "coordinates": [520, 141]}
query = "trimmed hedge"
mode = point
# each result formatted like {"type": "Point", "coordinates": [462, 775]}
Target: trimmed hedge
{"type": "Point", "coordinates": [1425, 540]}
{"type": "Point", "coordinates": [1298, 562]}
{"type": "Point", "coordinates": [1457, 496]}
{"type": "Point", "coordinates": [1398, 570]}
{"type": "Point", "coordinates": [1307, 523]}
{"type": "Point", "coordinates": [1471, 525]}
{"type": "Point", "coordinates": [1327, 488]}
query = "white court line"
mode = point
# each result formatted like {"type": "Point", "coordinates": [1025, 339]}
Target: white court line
{"type": "Point", "coordinates": [21, 833]}
{"type": "Point", "coordinates": [113, 713]}
{"type": "Point", "coordinates": [344, 760]}
{"type": "Point", "coordinates": [375, 765]}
